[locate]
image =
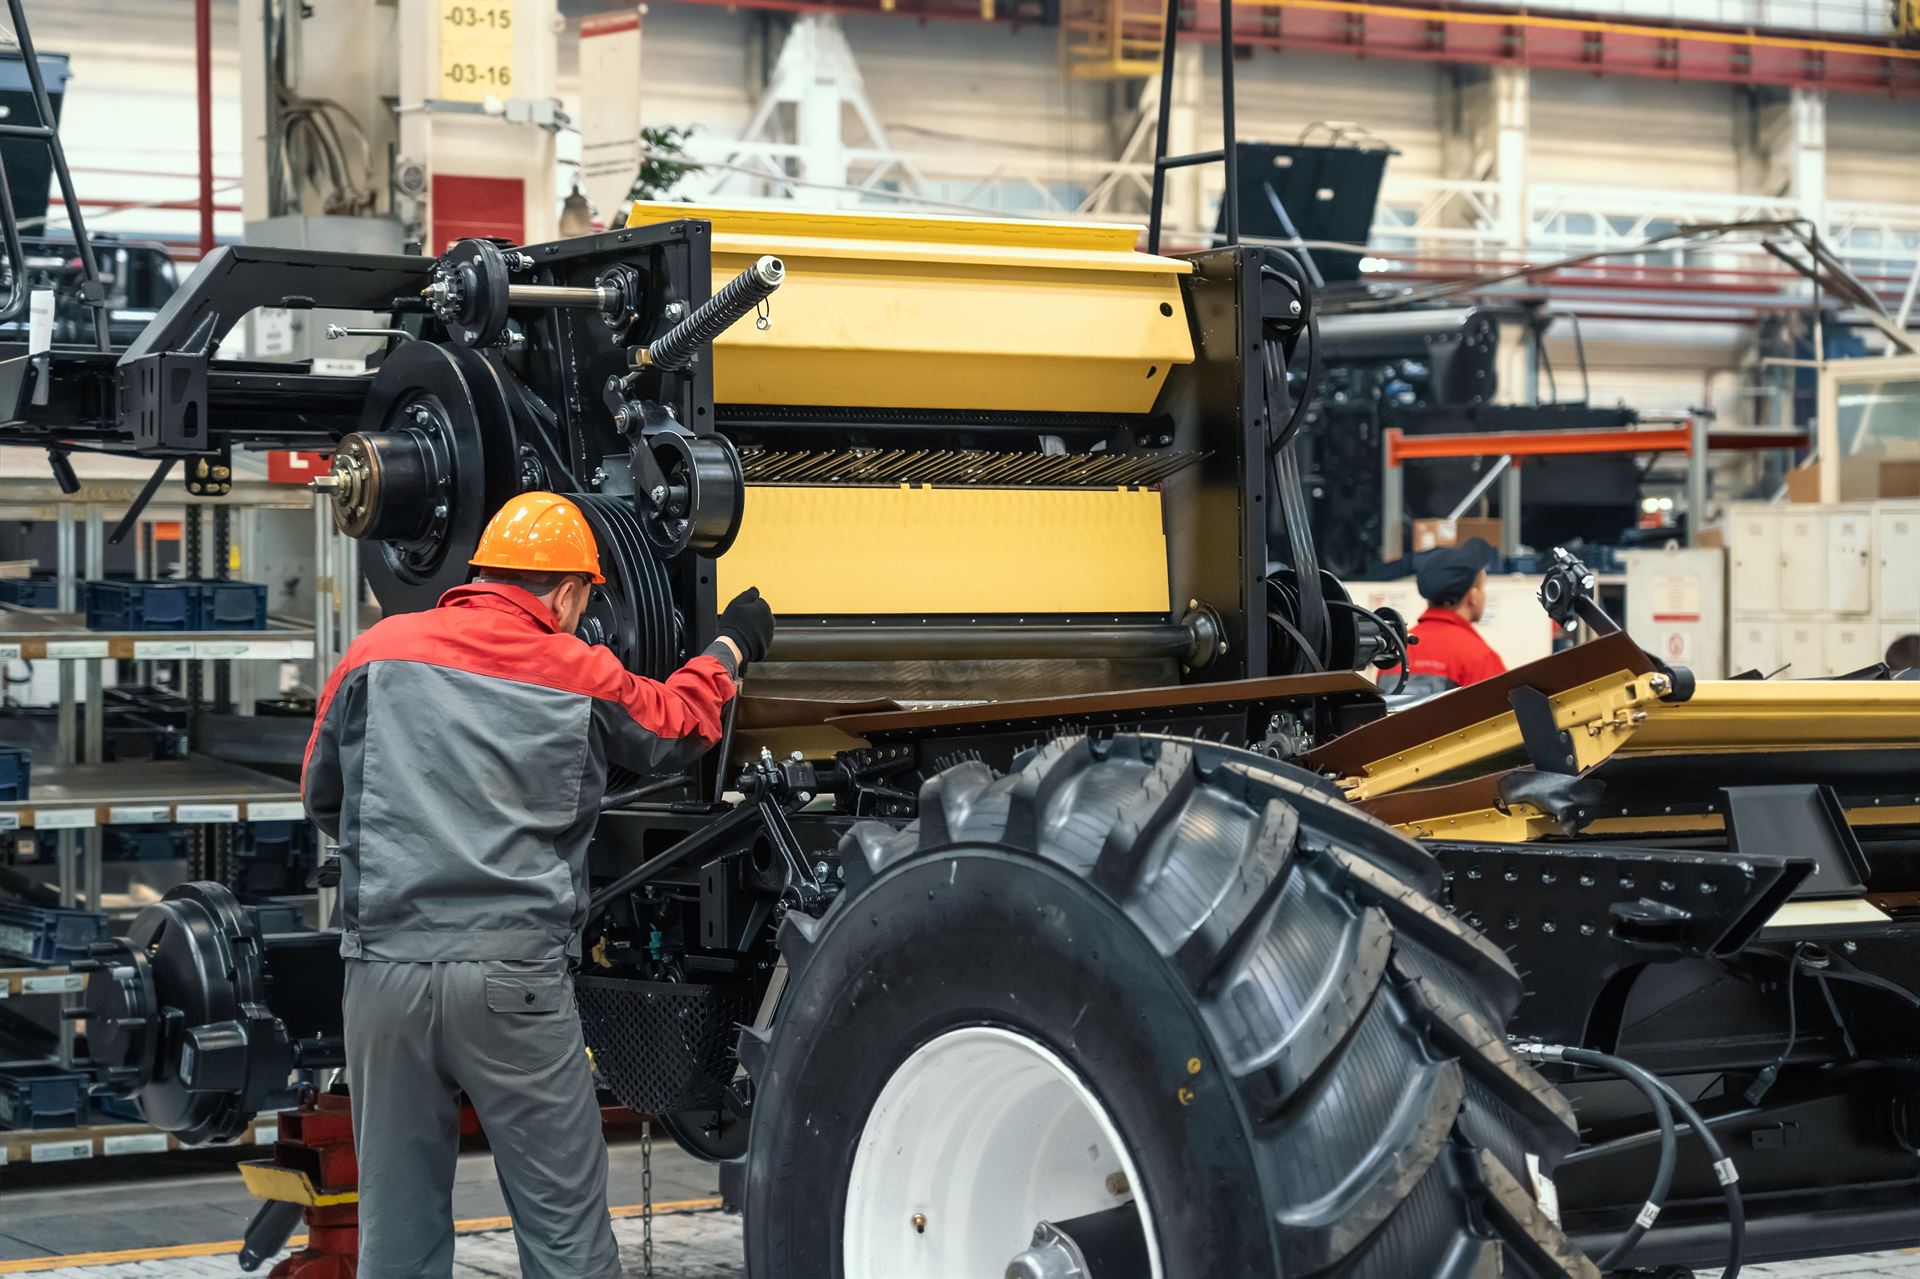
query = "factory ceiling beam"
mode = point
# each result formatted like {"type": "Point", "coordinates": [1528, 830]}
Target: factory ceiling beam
{"type": "Point", "coordinates": [1440, 32]}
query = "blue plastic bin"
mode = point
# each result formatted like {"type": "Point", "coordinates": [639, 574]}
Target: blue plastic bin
{"type": "Point", "coordinates": [233, 606]}
{"type": "Point", "coordinates": [142, 606]}
{"type": "Point", "coordinates": [48, 934]}
{"type": "Point", "coordinates": [16, 774]}
{"type": "Point", "coordinates": [39, 1094]}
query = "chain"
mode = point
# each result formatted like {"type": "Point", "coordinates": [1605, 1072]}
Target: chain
{"type": "Point", "coordinates": [646, 1197]}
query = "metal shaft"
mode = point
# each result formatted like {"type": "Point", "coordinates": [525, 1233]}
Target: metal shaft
{"type": "Point", "coordinates": [800, 643]}
{"type": "Point", "coordinates": [558, 295]}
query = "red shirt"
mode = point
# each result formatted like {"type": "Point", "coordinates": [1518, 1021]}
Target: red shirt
{"type": "Point", "coordinates": [1450, 647]}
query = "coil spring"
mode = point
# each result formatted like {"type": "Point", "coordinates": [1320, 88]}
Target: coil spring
{"type": "Point", "coordinates": [679, 344]}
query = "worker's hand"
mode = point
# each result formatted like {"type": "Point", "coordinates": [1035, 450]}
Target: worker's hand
{"type": "Point", "coordinates": [748, 622]}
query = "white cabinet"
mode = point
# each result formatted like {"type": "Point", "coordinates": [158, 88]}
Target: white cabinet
{"type": "Point", "coordinates": [1753, 645]}
{"type": "Point", "coordinates": [1753, 551]}
{"type": "Point", "coordinates": [1850, 569]}
{"type": "Point", "coordinates": [1849, 646]}
{"type": "Point", "coordinates": [1897, 550]}
{"type": "Point", "coordinates": [1677, 606]}
{"type": "Point", "coordinates": [1803, 561]}
{"type": "Point", "coordinates": [1802, 648]}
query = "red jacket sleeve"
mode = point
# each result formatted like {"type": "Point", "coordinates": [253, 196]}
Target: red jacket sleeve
{"type": "Point", "coordinates": [651, 726]}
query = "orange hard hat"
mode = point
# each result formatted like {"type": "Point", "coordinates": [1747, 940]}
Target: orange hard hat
{"type": "Point", "coordinates": [539, 533]}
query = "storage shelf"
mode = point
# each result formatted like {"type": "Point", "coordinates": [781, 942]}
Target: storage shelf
{"type": "Point", "coordinates": [39, 634]}
{"type": "Point", "coordinates": [150, 792]}
{"type": "Point", "coordinates": [94, 1141]}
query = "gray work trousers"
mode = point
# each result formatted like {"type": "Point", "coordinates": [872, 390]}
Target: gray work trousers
{"type": "Point", "coordinates": [505, 1033]}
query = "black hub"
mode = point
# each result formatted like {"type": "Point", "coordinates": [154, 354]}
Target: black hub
{"type": "Point", "coordinates": [468, 292]}
{"type": "Point", "coordinates": [433, 460]}
{"type": "Point", "coordinates": [178, 1018]}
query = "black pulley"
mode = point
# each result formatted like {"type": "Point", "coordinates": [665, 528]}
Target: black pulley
{"type": "Point", "coordinates": [468, 292]}
{"type": "Point", "coordinates": [697, 503]}
{"type": "Point", "coordinates": [435, 456]}
{"type": "Point", "coordinates": [633, 612]}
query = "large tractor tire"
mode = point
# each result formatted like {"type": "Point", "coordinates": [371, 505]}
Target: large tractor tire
{"type": "Point", "coordinates": [1185, 1007]}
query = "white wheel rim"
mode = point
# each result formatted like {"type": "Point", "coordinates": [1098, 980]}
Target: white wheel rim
{"type": "Point", "coordinates": [978, 1137]}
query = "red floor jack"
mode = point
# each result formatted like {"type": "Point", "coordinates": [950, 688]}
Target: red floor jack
{"type": "Point", "coordinates": [312, 1177]}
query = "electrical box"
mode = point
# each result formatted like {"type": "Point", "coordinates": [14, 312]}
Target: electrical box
{"type": "Point", "coordinates": [1803, 648]}
{"type": "Point", "coordinates": [1677, 607]}
{"type": "Point", "coordinates": [1753, 644]}
{"type": "Point", "coordinates": [1850, 646]}
{"type": "Point", "coordinates": [1803, 561]}
{"type": "Point", "coordinates": [1753, 550]}
{"type": "Point", "coordinates": [1850, 565]}
{"type": "Point", "coordinates": [1897, 578]}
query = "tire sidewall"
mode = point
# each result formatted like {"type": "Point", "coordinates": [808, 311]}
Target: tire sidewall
{"type": "Point", "coordinates": [977, 935]}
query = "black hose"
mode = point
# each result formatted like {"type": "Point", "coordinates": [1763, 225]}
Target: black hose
{"type": "Point", "coordinates": [1724, 1170]}
{"type": "Point", "coordinates": [1663, 1113]}
{"type": "Point", "coordinates": [1390, 632]}
{"type": "Point", "coordinates": [619, 799]}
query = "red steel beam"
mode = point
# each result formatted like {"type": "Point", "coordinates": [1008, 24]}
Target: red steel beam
{"type": "Point", "coordinates": [203, 58]}
{"type": "Point", "coordinates": [1402, 447]}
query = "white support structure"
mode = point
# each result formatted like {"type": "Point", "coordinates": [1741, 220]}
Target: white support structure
{"type": "Point", "coordinates": [796, 147]}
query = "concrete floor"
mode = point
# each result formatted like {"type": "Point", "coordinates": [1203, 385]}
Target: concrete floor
{"type": "Point", "coordinates": [45, 1222]}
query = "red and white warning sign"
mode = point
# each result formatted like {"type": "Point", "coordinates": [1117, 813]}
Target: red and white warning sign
{"type": "Point", "coordinates": [1677, 646]}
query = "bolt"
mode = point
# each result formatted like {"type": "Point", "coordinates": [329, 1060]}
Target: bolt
{"type": "Point", "coordinates": [598, 477]}
{"type": "Point", "coordinates": [1658, 682]}
{"type": "Point", "coordinates": [440, 511]}
{"type": "Point", "coordinates": [1293, 307]}
{"type": "Point", "coordinates": [336, 331]}
{"type": "Point", "coordinates": [1586, 929]}
{"type": "Point", "coordinates": [1849, 946]}
{"type": "Point", "coordinates": [671, 312]}
{"type": "Point", "coordinates": [797, 758]}
{"type": "Point", "coordinates": [519, 262]}
{"type": "Point", "coordinates": [805, 797]}
{"type": "Point", "coordinates": [658, 495]}
{"type": "Point", "coordinates": [420, 414]}
{"type": "Point", "coordinates": [820, 870]}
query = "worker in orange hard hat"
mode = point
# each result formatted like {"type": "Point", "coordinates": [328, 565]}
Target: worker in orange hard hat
{"type": "Point", "coordinates": [460, 758]}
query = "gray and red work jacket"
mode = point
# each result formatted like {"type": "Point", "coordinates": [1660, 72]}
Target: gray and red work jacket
{"type": "Point", "coordinates": [459, 756]}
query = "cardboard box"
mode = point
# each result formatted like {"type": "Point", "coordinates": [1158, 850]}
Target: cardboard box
{"type": "Point", "coordinates": [1857, 483]}
{"type": "Point", "coordinates": [1900, 479]}
{"type": "Point", "coordinates": [1428, 534]}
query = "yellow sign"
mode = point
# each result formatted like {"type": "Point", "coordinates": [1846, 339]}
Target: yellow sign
{"type": "Point", "coordinates": [476, 50]}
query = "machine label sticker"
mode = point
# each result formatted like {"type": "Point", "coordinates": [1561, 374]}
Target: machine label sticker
{"type": "Point", "coordinates": [134, 1143]}
{"type": "Point", "coordinates": [266, 1134]}
{"type": "Point", "coordinates": [138, 814]}
{"type": "Point", "coordinates": [279, 810]}
{"type": "Point", "coordinates": [272, 331]}
{"type": "Point", "coordinates": [207, 813]}
{"type": "Point", "coordinates": [58, 984]}
{"type": "Point", "coordinates": [9, 821]}
{"type": "Point", "coordinates": [65, 818]}
{"type": "Point", "coordinates": [9, 652]}
{"type": "Point", "coordinates": [53, 1152]}
{"type": "Point", "coordinates": [157, 649]}
{"type": "Point", "coordinates": [76, 648]}
{"type": "Point", "coordinates": [222, 648]}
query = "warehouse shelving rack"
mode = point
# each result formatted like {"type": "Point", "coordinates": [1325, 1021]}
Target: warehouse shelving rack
{"type": "Point", "coordinates": [78, 796]}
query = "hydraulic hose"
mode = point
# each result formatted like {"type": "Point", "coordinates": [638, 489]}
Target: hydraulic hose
{"type": "Point", "coordinates": [1723, 1168]}
{"type": "Point", "coordinates": [1669, 1146]}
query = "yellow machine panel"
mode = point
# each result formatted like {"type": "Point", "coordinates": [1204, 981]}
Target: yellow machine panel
{"type": "Point", "coordinates": [999, 552]}
{"type": "Point", "coordinates": [908, 311]}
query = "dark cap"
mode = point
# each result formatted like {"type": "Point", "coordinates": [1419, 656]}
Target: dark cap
{"type": "Point", "coordinates": [1446, 573]}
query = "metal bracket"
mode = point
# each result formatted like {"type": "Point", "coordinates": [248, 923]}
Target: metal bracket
{"type": "Point", "coordinates": [1549, 746]}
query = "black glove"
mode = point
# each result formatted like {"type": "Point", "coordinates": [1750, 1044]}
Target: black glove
{"type": "Point", "coordinates": [748, 622]}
